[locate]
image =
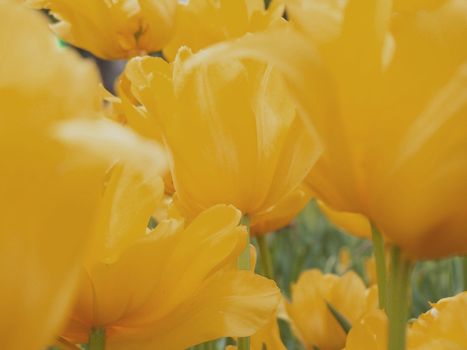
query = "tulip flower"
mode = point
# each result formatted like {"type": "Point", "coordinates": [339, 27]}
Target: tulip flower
{"type": "Point", "coordinates": [47, 197]}
{"type": "Point", "coordinates": [173, 287]}
{"type": "Point", "coordinates": [254, 150]}
{"type": "Point", "coordinates": [384, 89]}
{"type": "Point", "coordinates": [309, 310]}
{"type": "Point", "coordinates": [201, 23]}
{"type": "Point", "coordinates": [399, 167]}
{"type": "Point", "coordinates": [113, 29]}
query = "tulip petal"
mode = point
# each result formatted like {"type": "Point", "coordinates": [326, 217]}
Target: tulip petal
{"type": "Point", "coordinates": [232, 303]}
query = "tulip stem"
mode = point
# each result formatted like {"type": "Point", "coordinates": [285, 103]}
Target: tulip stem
{"type": "Point", "coordinates": [97, 339]}
{"type": "Point", "coordinates": [243, 343]}
{"type": "Point", "coordinates": [266, 259]}
{"type": "Point", "coordinates": [464, 272]}
{"type": "Point", "coordinates": [243, 263]}
{"type": "Point", "coordinates": [398, 303]}
{"type": "Point", "coordinates": [378, 251]}
{"type": "Point", "coordinates": [244, 258]}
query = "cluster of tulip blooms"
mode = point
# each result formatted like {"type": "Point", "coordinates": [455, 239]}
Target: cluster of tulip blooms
{"type": "Point", "coordinates": [246, 112]}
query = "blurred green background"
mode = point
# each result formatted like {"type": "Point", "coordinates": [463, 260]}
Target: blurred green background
{"type": "Point", "coordinates": [311, 241]}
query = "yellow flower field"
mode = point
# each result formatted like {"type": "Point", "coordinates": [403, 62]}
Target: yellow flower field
{"type": "Point", "coordinates": [233, 174]}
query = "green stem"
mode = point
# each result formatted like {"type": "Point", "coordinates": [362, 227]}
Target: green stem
{"type": "Point", "coordinates": [398, 302]}
{"type": "Point", "coordinates": [244, 264]}
{"type": "Point", "coordinates": [378, 251]}
{"type": "Point", "coordinates": [266, 259]}
{"type": "Point", "coordinates": [464, 272]}
{"type": "Point", "coordinates": [97, 339]}
{"type": "Point", "coordinates": [243, 343]}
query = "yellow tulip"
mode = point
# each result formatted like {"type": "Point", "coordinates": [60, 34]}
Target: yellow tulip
{"type": "Point", "coordinates": [113, 29]}
{"type": "Point", "coordinates": [402, 127]}
{"type": "Point", "coordinates": [201, 23]}
{"type": "Point", "coordinates": [47, 199]}
{"type": "Point", "coordinates": [126, 110]}
{"type": "Point", "coordinates": [311, 319]}
{"type": "Point", "coordinates": [442, 327]}
{"type": "Point", "coordinates": [384, 87]}
{"type": "Point", "coordinates": [173, 287]}
{"type": "Point", "coordinates": [233, 133]}
{"type": "Point", "coordinates": [369, 333]}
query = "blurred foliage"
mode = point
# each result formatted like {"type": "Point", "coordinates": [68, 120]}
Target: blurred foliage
{"type": "Point", "coordinates": [313, 242]}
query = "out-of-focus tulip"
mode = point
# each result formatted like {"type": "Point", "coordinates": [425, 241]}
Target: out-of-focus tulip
{"type": "Point", "coordinates": [47, 197]}
{"type": "Point", "coordinates": [384, 86]}
{"type": "Point", "coordinates": [173, 287]}
{"type": "Point", "coordinates": [201, 23]}
{"type": "Point", "coordinates": [442, 327]}
{"type": "Point", "coordinates": [310, 315]}
{"type": "Point", "coordinates": [369, 333]}
{"type": "Point", "coordinates": [113, 29]}
{"type": "Point", "coordinates": [401, 127]}
{"type": "Point", "coordinates": [233, 132]}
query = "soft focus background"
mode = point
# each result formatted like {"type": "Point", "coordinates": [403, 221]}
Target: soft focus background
{"type": "Point", "coordinates": [311, 241]}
